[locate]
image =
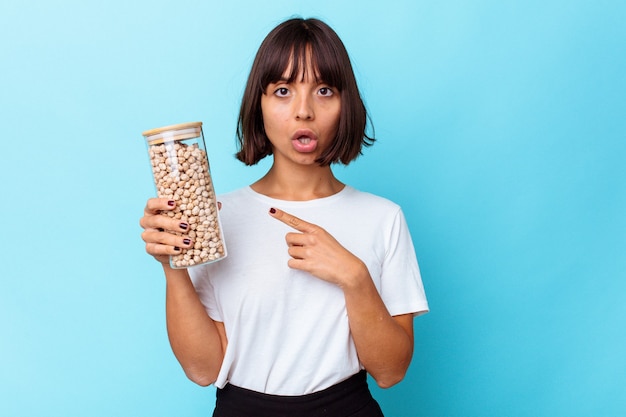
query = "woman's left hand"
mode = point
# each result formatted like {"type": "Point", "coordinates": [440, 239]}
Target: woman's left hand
{"type": "Point", "coordinates": [314, 250]}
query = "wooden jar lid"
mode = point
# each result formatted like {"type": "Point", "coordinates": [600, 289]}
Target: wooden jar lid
{"type": "Point", "coordinates": [171, 133]}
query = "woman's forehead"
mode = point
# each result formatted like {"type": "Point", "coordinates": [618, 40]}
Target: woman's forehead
{"type": "Point", "coordinates": [302, 66]}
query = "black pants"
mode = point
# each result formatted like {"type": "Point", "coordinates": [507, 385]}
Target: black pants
{"type": "Point", "coordinates": [350, 398]}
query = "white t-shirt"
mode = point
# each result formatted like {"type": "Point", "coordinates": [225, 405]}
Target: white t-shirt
{"type": "Point", "coordinates": [287, 330]}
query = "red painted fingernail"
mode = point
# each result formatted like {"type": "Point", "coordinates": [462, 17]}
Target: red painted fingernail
{"type": "Point", "coordinates": [272, 210]}
{"type": "Point", "coordinates": [183, 226]}
{"type": "Point", "coordinates": [171, 203]}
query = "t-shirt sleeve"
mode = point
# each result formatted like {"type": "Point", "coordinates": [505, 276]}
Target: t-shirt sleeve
{"type": "Point", "coordinates": [402, 289]}
{"type": "Point", "coordinates": [204, 289]}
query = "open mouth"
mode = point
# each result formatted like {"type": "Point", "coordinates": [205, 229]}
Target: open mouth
{"type": "Point", "coordinates": [304, 141]}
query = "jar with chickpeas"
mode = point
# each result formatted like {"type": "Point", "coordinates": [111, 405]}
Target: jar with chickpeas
{"type": "Point", "coordinates": [180, 167]}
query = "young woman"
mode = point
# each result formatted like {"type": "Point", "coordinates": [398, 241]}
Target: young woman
{"type": "Point", "coordinates": [321, 282]}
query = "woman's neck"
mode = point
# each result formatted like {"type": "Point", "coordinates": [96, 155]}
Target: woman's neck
{"type": "Point", "coordinates": [298, 184]}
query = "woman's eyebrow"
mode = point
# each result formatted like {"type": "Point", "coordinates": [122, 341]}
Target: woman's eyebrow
{"type": "Point", "coordinates": [281, 80]}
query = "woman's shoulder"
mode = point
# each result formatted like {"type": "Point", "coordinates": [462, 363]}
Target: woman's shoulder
{"type": "Point", "coordinates": [237, 193]}
{"type": "Point", "coordinates": [370, 199]}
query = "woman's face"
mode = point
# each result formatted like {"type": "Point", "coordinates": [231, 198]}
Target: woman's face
{"type": "Point", "coordinates": [300, 118]}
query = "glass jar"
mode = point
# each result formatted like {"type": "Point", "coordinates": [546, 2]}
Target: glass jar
{"type": "Point", "coordinates": [180, 167]}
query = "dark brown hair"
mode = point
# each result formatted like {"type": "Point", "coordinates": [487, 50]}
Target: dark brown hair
{"type": "Point", "coordinates": [297, 40]}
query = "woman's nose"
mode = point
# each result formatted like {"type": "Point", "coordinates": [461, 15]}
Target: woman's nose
{"type": "Point", "coordinates": [304, 108]}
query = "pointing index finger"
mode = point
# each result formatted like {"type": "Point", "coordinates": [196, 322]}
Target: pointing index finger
{"type": "Point", "coordinates": [291, 220]}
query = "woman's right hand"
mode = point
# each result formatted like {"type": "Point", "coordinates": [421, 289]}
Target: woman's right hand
{"type": "Point", "coordinates": [159, 231]}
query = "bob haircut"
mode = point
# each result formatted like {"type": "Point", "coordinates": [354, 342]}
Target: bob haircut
{"type": "Point", "coordinates": [291, 45]}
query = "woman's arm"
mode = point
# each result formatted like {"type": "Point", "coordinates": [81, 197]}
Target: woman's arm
{"type": "Point", "coordinates": [197, 341]}
{"type": "Point", "coordinates": [384, 343]}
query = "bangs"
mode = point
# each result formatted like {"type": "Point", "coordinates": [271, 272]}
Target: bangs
{"type": "Point", "coordinates": [293, 56]}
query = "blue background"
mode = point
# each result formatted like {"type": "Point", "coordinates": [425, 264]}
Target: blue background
{"type": "Point", "coordinates": [502, 133]}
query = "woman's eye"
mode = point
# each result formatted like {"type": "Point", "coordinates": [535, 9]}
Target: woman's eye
{"type": "Point", "coordinates": [326, 91]}
{"type": "Point", "coordinates": [281, 92]}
